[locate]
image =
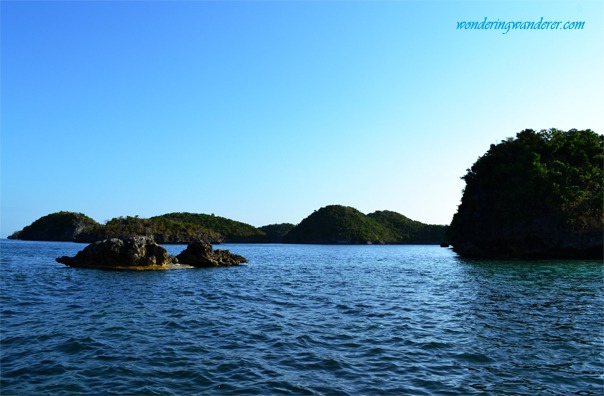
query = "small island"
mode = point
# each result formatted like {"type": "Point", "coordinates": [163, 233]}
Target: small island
{"type": "Point", "coordinates": [143, 253]}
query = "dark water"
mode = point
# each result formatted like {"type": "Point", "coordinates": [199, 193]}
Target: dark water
{"type": "Point", "coordinates": [315, 320]}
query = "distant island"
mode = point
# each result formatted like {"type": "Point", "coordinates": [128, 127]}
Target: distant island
{"type": "Point", "coordinates": [334, 224]}
{"type": "Point", "coordinates": [338, 224]}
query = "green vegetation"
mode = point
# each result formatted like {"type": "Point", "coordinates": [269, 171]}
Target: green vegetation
{"type": "Point", "coordinates": [170, 228]}
{"type": "Point", "coordinates": [231, 230]}
{"type": "Point", "coordinates": [538, 195]}
{"type": "Point", "coordinates": [60, 226]}
{"type": "Point", "coordinates": [162, 230]}
{"type": "Point", "coordinates": [334, 224]}
{"type": "Point", "coordinates": [404, 230]}
{"type": "Point", "coordinates": [276, 232]}
{"type": "Point", "coordinates": [338, 224]}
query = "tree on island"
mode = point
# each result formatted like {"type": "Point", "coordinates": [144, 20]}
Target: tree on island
{"type": "Point", "coordinates": [539, 195]}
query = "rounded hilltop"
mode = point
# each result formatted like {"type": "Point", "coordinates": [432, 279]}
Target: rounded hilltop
{"type": "Point", "coordinates": [61, 226]}
{"type": "Point", "coordinates": [337, 224]}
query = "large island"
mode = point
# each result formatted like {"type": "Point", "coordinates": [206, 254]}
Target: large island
{"type": "Point", "coordinates": [536, 196]}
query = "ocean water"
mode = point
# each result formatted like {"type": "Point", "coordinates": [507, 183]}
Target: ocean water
{"type": "Point", "coordinates": [302, 320]}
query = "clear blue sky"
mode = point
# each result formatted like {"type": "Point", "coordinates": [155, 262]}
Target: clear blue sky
{"type": "Point", "coordinates": [263, 111]}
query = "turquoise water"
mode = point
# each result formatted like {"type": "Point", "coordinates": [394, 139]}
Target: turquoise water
{"type": "Point", "coordinates": [302, 320]}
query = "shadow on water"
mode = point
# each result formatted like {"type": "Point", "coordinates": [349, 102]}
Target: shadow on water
{"type": "Point", "coordinates": [534, 319]}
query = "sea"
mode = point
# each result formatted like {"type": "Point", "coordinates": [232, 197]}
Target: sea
{"type": "Point", "coordinates": [301, 320]}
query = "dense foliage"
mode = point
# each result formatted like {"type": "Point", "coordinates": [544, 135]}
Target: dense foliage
{"type": "Point", "coordinates": [338, 224]}
{"type": "Point", "coordinates": [276, 232]}
{"type": "Point", "coordinates": [538, 195]}
{"type": "Point", "coordinates": [334, 224]}
{"type": "Point", "coordinates": [170, 228]}
{"type": "Point", "coordinates": [404, 230]}
{"type": "Point", "coordinates": [162, 230]}
{"type": "Point", "coordinates": [59, 226]}
{"type": "Point", "coordinates": [231, 230]}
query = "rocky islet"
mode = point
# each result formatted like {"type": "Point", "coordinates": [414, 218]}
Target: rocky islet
{"type": "Point", "coordinates": [143, 253]}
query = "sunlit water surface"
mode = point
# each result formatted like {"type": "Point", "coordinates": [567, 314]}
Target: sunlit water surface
{"type": "Point", "coordinates": [302, 320]}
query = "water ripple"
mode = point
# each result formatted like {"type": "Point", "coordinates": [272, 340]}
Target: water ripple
{"type": "Point", "coordinates": [302, 320]}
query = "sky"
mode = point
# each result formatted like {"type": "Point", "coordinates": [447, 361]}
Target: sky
{"type": "Point", "coordinates": [264, 111]}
